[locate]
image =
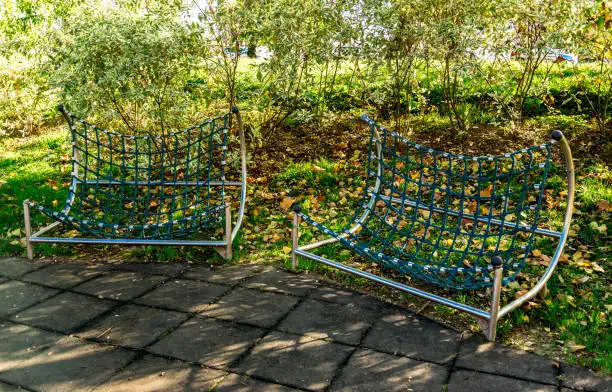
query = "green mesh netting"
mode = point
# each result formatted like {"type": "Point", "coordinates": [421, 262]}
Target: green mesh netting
{"type": "Point", "coordinates": [145, 187]}
{"type": "Point", "coordinates": [441, 217]}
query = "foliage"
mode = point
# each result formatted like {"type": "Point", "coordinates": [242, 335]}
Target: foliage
{"type": "Point", "coordinates": [130, 64]}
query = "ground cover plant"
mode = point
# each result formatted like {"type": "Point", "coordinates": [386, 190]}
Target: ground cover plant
{"type": "Point", "coordinates": [447, 81]}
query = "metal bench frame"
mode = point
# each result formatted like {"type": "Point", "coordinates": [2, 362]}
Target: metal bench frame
{"type": "Point", "coordinates": [487, 319]}
{"type": "Point", "coordinates": [224, 248]}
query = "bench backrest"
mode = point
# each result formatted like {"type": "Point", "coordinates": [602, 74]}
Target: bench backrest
{"type": "Point", "coordinates": [442, 217]}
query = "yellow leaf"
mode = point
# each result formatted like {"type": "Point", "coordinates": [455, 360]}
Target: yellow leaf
{"type": "Point", "coordinates": [54, 202]}
{"type": "Point", "coordinates": [486, 192]}
{"type": "Point", "coordinates": [286, 249]}
{"type": "Point", "coordinates": [287, 202]}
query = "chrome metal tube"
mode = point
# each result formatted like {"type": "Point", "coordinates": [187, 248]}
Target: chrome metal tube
{"type": "Point", "coordinates": [128, 241]}
{"type": "Point", "coordinates": [295, 233]}
{"type": "Point", "coordinates": [411, 290]}
{"type": "Point", "coordinates": [228, 232]}
{"type": "Point", "coordinates": [569, 162]}
{"type": "Point", "coordinates": [495, 301]}
{"type": "Point", "coordinates": [28, 229]}
{"type": "Point", "coordinates": [156, 183]}
{"type": "Point", "coordinates": [243, 168]}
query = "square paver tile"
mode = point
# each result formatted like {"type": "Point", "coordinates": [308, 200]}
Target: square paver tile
{"type": "Point", "coordinates": [151, 268]}
{"type": "Point", "coordinates": [369, 370]}
{"type": "Point", "coordinates": [344, 296]}
{"type": "Point", "coordinates": [184, 295]}
{"type": "Point", "coordinates": [64, 276]}
{"type": "Point", "coordinates": [15, 296]}
{"type": "Point", "coordinates": [224, 274]}
{"type": "Point", "coordinates": [584, 379]}
{"type": "Point", "coordinates": [20, 342]}
{"type": "Point", "coordinates": [16, 266]}
{"type": "Point", "coordinates": [295, 360]}
{"type": "Point", "coordinates": [64, 313]}
{"type": "Point", "coordinates": [120, 285]}
{"type": "Point", "coordinates": [282, 282]}
{"type": "Point", "coordinates": [69, 365]}
{"type": "Point", "coordinates": [399, 331]}
{"type": "Point", "coordinates": [133, 325]}
{"type": "Point", "coordinates": [238, 383]}
{"type": "Point", "coordinates": [208, 341]}
{"type": "Point", "coordinates": [478, 354]}
{"type": "Point", "coordinates": [467, 381]}
{"type": "Point", "coordinates": [252, 307]}
{"type": "Point", "coordinates": [153, 374]}
{"type": "Point", "coordinates": [4, 387]}
{"type": "Point", "coordinates": [343, 323]}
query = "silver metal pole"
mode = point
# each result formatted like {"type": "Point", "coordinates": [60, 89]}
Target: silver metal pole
{"type": "Point", "coordinates": [571, 186]}
{"type": "Point", "coordinates": [228, 232]}
{"type": "Point", "coordinates": [243, 169]}
{"type": "Point", "coordinates": [28, 229]}
{"type": "Point", "coordinates": [295, 234]}
{"type": "Point", "coordinates": [495, 300]}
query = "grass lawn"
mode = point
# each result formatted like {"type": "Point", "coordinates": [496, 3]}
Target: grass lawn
{"type": "Point", "coordinates": [321, 165]}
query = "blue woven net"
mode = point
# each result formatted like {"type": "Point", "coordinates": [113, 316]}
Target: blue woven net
{"type": "Point", "coordinates": [441, 217]}
{"type": "Point", "coordinates": [145, 187]}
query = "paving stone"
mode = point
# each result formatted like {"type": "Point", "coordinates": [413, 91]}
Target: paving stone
{"type": "Point", "coordinates": [4, 387]}
{"type": "Point", "coordinates": [283, 282]}
{"type": "Point", "coordinates": [399, 331]}
{"type": "Point", "coordinates": [184, 295]}
{"type": "Point", "coordinates": [21, 342]}
{"type": "Point", "coordinates": [151, 268]}
{"type": "Point", "coordinates": [120, 285]}
{"type": "Point", "coordinates": [64, 313]}
{"type": "Point", "coordinates": [64, 276]}
{"type": "Point", "coordinates": [369, 370]}
{"type": "Point", "coordinates": [253, 307]}
{"type": "Point", "coordinates": [584, 379]}
{"type": "Point", "coordinates": [238, 383]}
{"type": "Point", "coordinates": [225, 274]}
{"type": "Point", "coordinates": [467, 381]}
{"type": "Point", "coordinates": [151, 374]}
{"type": "Point", "coordinates": [343, 323]}
{"type": "Point", "coordinates": [295, 360]}
{"type": "Point", "coordinates": [133, 325]}
{"type": "Point", "coordinates": [478, 354]}
{"type": "Point", "coordinates": [211, 342]}
{"type": "Point", "coordinates": [14, 267]}
{"type": "Point", "coordinates": [68, 365]}
{"type": "Point", "coordinates": [343, 296]}
{"type": "Point", "coordinates": [15, 296]}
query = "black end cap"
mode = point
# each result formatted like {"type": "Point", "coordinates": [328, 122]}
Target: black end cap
{"type": "Point", "coordinates": [497, 261]}
{"type": "Point", "coordinates": [297, 208]}
{"type": "Point", "coordinates": [235, 109]}
{"type": "Point", "coordinates": [61, 108]}
{"type": "Point", "coordinates": [557, 135]}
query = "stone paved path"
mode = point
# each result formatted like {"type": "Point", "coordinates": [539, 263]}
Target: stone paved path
{"type": "Point", "coordinates": [180, 327]}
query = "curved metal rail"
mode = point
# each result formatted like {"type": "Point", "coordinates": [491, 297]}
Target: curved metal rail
{"type": "Point", "coordinates": [223, 247]}
{"type": "Point", "coordinates": [487, 319]}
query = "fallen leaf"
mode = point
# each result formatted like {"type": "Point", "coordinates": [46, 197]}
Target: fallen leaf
{"type": "Point", "coordinates": [603, 205]}
{"type": "Point", "coordinates": [287, 202]}
{"type": "Point", "coordinates": [573, 347]}
{"type": "Point", "coordinates": [597, 268]}
{"type": "Point", "coordinates": [486, 192]}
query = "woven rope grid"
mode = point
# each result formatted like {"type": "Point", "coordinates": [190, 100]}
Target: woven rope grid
{"type": "Point", "coordinates": [145, 187]}
{"type": "Point", "coordinates": [441, 217]}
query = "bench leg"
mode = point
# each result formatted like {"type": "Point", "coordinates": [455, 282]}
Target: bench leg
{"type": "Point", "coordinates": [295, 234]}
{"type": "Point", "coordinates": [544, 292]}
{"type": "Point", "coordinates": [495, 300]}
{"type": "Point", "coordinates": [28, 229]}
{"type": "Point", "coordinates": [226, 250]}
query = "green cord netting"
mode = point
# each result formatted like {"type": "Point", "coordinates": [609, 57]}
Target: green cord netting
{"type": "Point", "coordinates": [441, 217]}
{"type": "Point", "coordinates": [145, 187]}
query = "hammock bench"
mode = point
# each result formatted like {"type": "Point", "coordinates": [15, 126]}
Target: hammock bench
{"type": "Point", "coordinates": [147, 190]}
{"type": "Point", "coordinates": [454, 221]}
